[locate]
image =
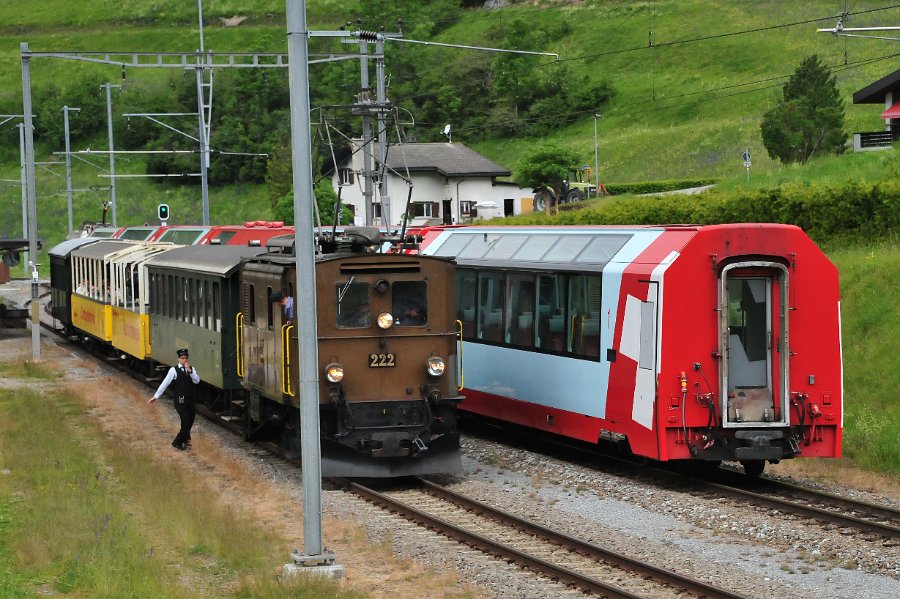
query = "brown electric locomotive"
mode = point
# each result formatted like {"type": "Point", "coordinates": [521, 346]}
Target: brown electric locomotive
{"type": "Point", "coordinates": [387, 352]}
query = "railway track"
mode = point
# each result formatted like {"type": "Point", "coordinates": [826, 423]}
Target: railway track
{"type": "Point", "coordinates": [825, 508]}
{"type": "Point", "coordinates": [587, 567]}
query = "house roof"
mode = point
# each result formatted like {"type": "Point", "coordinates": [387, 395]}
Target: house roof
{"type": "Point", "coordinates": [448, 159]}
{"type": "Point", "coordinates": [874, 93]}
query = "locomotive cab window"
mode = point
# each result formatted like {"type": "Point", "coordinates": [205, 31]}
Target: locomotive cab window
{"type": "Point", "coordinates": [353, 306]}
{"type": "Point", "coordinates": [410, 305]}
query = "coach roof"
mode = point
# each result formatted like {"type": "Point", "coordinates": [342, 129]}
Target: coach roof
{"type": "Point", "coordinates": [212, 259]}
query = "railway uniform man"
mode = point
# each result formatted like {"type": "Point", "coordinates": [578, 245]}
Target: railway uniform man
{"type": "Point", "coordinates": [287, 303]}
{"type": "Point", "coordinates": [183, 379]}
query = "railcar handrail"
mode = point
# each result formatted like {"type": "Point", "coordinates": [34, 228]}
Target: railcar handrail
{"type": "Point", "coordinates": [239, 343]}
{"type": "Point", "coordinates": [286, 359]}
{"type": "Point", "coordinates": [461, 359]}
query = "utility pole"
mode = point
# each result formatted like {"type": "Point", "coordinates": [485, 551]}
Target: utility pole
{"type": "Point", "coordinates": [382, 107]}
{"type": "Point", "coordinates": [314, 555]}
{"type": "Point", "coordinates": [31, 200]}
{"type": "Point", "coordinates": [21, 127]}
{"type": "Point", "coordinates": [596, 159]}
{"type": "Point", "coordinates": [204, 109]}
{"type": "Point", "coordinates": [66, 110]}
{"type": "Point", "coordinates": [112, 156]}
{"type": "Point", "coordinates": [364, 100]}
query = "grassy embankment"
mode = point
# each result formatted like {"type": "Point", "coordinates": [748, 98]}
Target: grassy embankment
{"type": "Point", "coordinates": [84, 517]}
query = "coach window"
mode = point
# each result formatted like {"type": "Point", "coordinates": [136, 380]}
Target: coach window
{"type": "Point", "coordinates": [520, 324]}
{"type": "Point", "coordinates": [491, 300]}
{"type": "Point", "coordinates": [409, 303]}
{"type": "Point", "coordinates": [353, 305]}
{"type": "Point", "coordinates": [584, 315]}
{"type": "Point", "coordinates": [467, 301]}
{"type": "Point", "coordinates": [194, 291]}
{"type": "Point", "coordinates": [202, 304]}
{"type": "Point", "coordinates": [550, 314]}
{"type": "Point", "coordinates": [270, 313]}
{"type": "Point", "coordinates": [224, 237]}
{"type": "Point", "coordinates": [186, 301]}
{"type": "Point", "coordinates": [177, 303]}
{"type": "Point", "coordinates": [250, 294]}
{"type": "Point", "coordinates": [217, 312]}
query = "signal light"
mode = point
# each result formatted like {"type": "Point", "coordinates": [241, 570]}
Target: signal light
{"type": "Point", "coordinates": [162, 211]}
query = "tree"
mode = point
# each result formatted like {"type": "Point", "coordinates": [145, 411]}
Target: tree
{"type": "Point", "coordinates": [545, 169]}
{"type": "Point", "coordinates": [809, 119]}
{"type": "Point", "coordinates": [326, 200]}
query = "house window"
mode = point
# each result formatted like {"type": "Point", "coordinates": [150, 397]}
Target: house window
{"type": "Point", "coordinates": [376, 210]}
{"type": "Point", "coordinates": [346, 176]}
{"type": "Point", "coordinates": [465, 208]}
{"type": "Point", "coordinates": [423, 210]}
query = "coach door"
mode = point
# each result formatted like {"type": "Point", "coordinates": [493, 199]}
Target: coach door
{"type": "Point", "coordinates": [753, 327]}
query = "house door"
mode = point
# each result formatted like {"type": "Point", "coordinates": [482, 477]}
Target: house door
{"type": "Point", "coordinates": [447, 216]}
{"type": "Point", "coordinates": [754, 340]}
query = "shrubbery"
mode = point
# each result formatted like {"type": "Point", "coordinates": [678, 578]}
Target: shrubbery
{"type": "Point", "coordinates": [857, 208]}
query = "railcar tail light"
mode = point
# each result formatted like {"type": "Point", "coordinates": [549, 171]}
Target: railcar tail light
{"type": "Point", "coordinates": [385, 320]}
{"type": "Point", "coordinates": [334, 372]}
{"type": "Point", "coordinates": [435, 366]}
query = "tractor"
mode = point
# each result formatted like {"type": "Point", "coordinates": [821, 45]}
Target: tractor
{"type": "Point", "coordinates": [573, 189]}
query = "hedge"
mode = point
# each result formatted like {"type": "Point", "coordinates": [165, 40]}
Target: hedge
{"type": "Point", "coordinates": [857, 207]}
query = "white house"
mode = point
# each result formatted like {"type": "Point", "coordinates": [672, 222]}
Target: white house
{"type": "Point", "coordinates": [450, 183]}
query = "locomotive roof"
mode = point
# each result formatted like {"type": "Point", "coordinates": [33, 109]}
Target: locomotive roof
{"type": "Point", "coordinates": [63, 249]}
{"type": "Point", "coordinates": [212, 259]}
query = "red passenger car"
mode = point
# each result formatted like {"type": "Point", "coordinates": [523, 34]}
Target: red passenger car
{"type": "Point", "coordinates": [709, 343]}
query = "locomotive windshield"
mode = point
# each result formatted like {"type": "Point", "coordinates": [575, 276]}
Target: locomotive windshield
{"type": "Point", "coordinates": [353, 304]}
{"type": "Point", "coordinates": [410, 306]}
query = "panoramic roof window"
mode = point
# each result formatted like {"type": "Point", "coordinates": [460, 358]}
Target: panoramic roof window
{"type": "Point", "coordinates": [567, 248]}
{"type": "Point", "coordinates": [535, 248]}
{"type": "Point", "coordinates": [505, 246]}
{"type": "Point", "coordinates": [602, 248]}
{"type": "Point", "coordinates": [454, 245]}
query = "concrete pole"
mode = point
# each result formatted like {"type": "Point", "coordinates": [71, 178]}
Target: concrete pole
{"type": "Point", "coordinates": [204, 149]}
{"type": "Point", "coordinates": [304, 252]}
{"type": "Point", "coordinates": [596, 159]}
{"type": "Point", "coordinates": [24, 178]}
{"type": "Point", "coordinates": [365, 101]}
{"type": "Point", "coordinates": [66, 110]}
{"type": "Point", "coordinates": [112, 156]}
{"type": "Point", "coordinates": [32, 201]}
{"type": "Point", "coordinates": [381, 102]}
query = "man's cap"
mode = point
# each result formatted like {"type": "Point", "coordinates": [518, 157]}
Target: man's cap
{"type": "Point", "coordinates": [182, 352]}
{"type": "Point", "coordinates": [276, 296]}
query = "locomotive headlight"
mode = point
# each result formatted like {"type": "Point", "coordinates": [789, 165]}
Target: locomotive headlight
{"type": "Point", "coordinates": [435, 366]}
{"type": "Point", "coordinates": [385, 320]}
{"type": "Point", "coordinates": [334, 372]}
